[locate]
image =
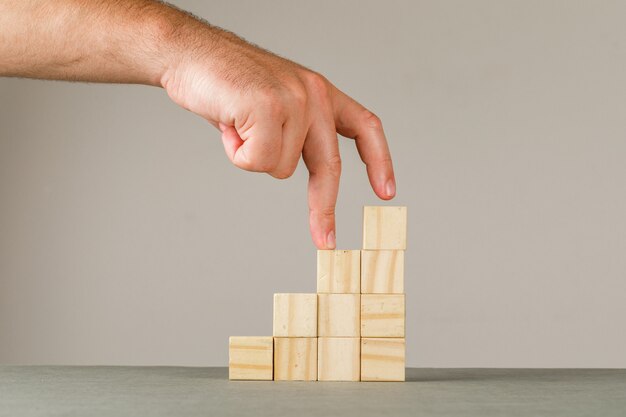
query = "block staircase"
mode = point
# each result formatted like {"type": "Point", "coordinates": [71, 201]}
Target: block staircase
{"type": "Point", "coordinates": [353, 329]}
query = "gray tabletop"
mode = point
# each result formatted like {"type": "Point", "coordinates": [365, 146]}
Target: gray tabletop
{"type": "Point", "coordinates": [167, 391]}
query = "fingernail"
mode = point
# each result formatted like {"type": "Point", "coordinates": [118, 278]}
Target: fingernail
{"type": "Point", "coordinates": [330, 240]}
{"type": "Point", "coordinates": [390, 188]}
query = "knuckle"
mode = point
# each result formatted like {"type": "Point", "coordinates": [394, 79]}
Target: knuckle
{"type": "Point", "coordinates": [298, 97]}
{"type": "Point", "coordinates": [384, 160]}
{"type": "Point", "coordinates": [244, 164]}
{"type": "Point", "coordinates": [241, 164]}
{"type": "Point", "coordinates": [333, 165]}
{"type": "Point", "coordinates": [241, 160]}
{"type": "Point", "coordinates": [328, 211]}
{"type": "Point", "coordinates": [371, 120]}
{"type": "Point", "coordinates": [282, 174]}
{"type": "Point", "coordinates": [318, 84]}
{"type": "Point", "coordinates": [257, 163]}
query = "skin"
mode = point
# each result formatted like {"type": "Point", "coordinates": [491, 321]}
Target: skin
{"type": "Point", "coordinates": [271, 111]}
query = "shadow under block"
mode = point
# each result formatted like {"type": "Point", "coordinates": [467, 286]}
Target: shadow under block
{"type": "Point", "coordinates": [295, 358]}
{"type": "Point", "coordinates": [384, 227]}
{"type": "Point", "coordinates": [382, 359]}
{"type": "Point", "coordinates": [382, 315]}
{"type": "Point", "coordinates": [382, 271]}
{"type": "Point", "coordinates": [338, 359]}
{"type": "Point", "coordinates": [250, 357]}
{"type": "Point", "coordinates": [339, 315]}
{"type": "Point", "coordinates": [295, 315]}
{"type": "Point", "coordinates": [338, 271]}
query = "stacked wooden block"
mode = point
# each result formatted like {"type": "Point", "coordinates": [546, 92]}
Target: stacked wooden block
{"type": "Point", "coordinates": [352, 329]}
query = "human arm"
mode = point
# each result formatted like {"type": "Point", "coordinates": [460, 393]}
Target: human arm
{"type": "Point", "coordinates": [270, 110]}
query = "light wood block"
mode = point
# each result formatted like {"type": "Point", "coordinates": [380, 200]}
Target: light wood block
{"type": "Point", "coordinates": [338, 359]}
{"type": "Point", "coordinates": [384, 227]}
{"type": "Point", "coordinates": [382, 359]}
{"type": "Point", "coordinates": [295, 358]}
{"type": "Point", "coordinates": [250, 357]}
{"type": "Point", "coordinates": [295, 315]}
{"type": "Point", "coordinates": [339, 315]}
{"type": "Point", "coordinates": [382, 271]}
{"type": "Point", "coordinates": [338, 271]}
{"type": "Point", "coordinates": [382, 315]}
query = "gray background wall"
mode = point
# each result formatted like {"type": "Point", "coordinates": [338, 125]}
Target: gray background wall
{"type": "Point", "coordinates": [126, 237]}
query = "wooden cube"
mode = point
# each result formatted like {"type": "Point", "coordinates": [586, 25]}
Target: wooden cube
{"type": "Point", "coordinates": [338, 359]}
{"type": "Point", "coordinates": [250, 357]}
{"type": "Point", "coordinates": [295, 358]}
{"type": "Point", "coordinates": [382, 315]}
{"type": "Point", "coordinates": [339, 315]}
{"type": "Point", "coordinates": [384, 227]}
{"type": "Point", "coordinates": [382, 359]}
{"type": "Point", "coordinates": [338, 271]}
{"type": "Point", "coordinates": [382, 272]}
{"type": "Point", "coordinates": [295, 315]}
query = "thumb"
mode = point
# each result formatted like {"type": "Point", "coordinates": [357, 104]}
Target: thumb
{"type": "Point", "coordinates": [231, 140]}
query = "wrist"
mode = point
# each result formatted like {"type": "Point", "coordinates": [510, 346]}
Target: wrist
{"type": "Point", "coordinates": [156, 48]}
{"type": "Point", "coordinates": [179, 39]}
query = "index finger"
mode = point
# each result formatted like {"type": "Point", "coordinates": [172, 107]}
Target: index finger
{"type": "Point", "coordinates": [354, 121]}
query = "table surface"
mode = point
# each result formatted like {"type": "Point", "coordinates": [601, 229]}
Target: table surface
{"type": "Point", "coordinates": [173, 391]}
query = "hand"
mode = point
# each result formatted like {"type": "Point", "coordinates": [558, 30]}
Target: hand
{"type": "Point", "coordinates": [271, 110]}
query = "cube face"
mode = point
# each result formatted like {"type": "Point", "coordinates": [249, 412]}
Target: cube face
{"type": "Point", "coordinates": [382, 359]}
{"type": "Point", "coordinates": [339, 359]}
{"type": "Point", "coordinates": [295, 358]}
{"type": "Point", "coordinates": [338, 271]}
{"type": "Point", "coordinates": [382, 315]}
{"type": "Point", "coordinates": [295, 315]}
{"type": "Point", "coordinates": [250, 357]}
{"type": "Point", "coordinates": [382, 271]}
{"type": "Point", "coordinates": [384, 227]}
{"type": "Point", "coordinates": [339, 315]}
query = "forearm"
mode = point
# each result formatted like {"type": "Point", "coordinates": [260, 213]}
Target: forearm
{"type": "Point", "coordinates": [125, 41]}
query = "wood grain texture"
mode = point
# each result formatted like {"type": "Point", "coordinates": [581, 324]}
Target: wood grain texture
{"type": "Point", "coordinates": [338, 359]}
{"type": "Point", "coordinates": [338, 271]}
{"type": "Point", "coordinates": [339, 315]}
{"type": "Point", "coordinates": [382, 315]}
{"type": "Point", "coordinates": [382, 271]}
{"type": "Point", "coordinates": [295, 358]}
{"type": "Point", "coordinates": [382, 359]}
{"type": "Point", "coordinates": [384, 227]}
{"type": "Point", "coordinates": [250, 357]}
{"type": "Point", "coordinates": [295, 315]}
